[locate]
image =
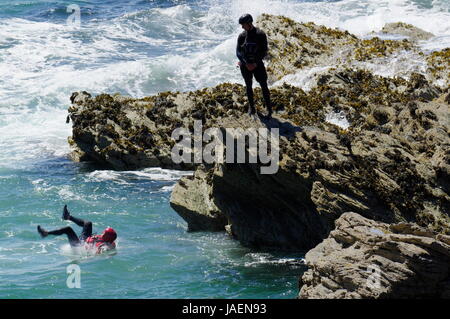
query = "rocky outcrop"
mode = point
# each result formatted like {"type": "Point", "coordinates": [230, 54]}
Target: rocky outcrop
{"type": "Point", "coordinates": [390, 165]}
{"type": "Point", "coordinates": [407, 30]}
{"type": "Point", "coordinates": [366, 259]}
{"type": "Point", "coordinates": [119, 132]}
{"type": "Point", "coordinates": [439, 65]}
{"type": "Point", "coordinates": [192, 200]}
{"type": "Point", "coordinates": [298, 46]}
{"type": "Point", "coordinates": [128, 133]}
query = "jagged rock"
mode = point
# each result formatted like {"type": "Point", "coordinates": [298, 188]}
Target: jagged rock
{"type": "Point", "coordinates": [192, 200]}
{"type": "Point", "coordinates": [122, 132]}
{"type": "Point", "coordinates": [80, 97]}
{"type": "Point", "coordinates": [391, 164]}
{"type": "Point", "coordinates": [421, 88]}
{"type": "Point", "coordinates": [438, 66]}
{"type": "Point", "coordinates": [363, 258]}
{"type": "Point", "coordinates": [295, 46]}
{"type": "Point", "coordinates": [408, 30]}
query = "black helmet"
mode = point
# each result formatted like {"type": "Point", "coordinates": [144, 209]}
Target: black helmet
{"type": "Point", "coordinates": [246, 18]}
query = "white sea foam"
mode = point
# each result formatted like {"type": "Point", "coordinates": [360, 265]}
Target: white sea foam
{"type": "Point", "coordinates": [9, 234]}
{"type": "Point", "coordinates": [77, 252]}
{"type": "Point", "coordinates": [154, 174]}
{"type": "Point", "coordinates": [399, 64]}
{"type": "Point", "coordinates": [167, 189]}
{"type": "Point", "coordinates": [357, 16]}
{"type": "Point", "coordinates": [337, 118]}
{"type": "Point", "coordinates": [27, 136]}
{"type": "Point", "coordinates": [305, 79]}
{"type": "Point", "coordinates": [259, 259]}
{"type": "Point", "coordinates": [160, 174]}
{"type": "Point", "coordinates": [85, 251]}
{"type": "Point", "coordinates": [66, 193]}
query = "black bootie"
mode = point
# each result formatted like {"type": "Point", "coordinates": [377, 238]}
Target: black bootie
{"type": "Point", "coordinates": [42, 231]}
{"type": "Point", "coordinates": [66, 214]}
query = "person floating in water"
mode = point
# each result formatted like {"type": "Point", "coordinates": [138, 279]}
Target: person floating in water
{"type": "Point", "coordinates": [251, 49]}
{"type": "Point", "coordinates": [101, 242]}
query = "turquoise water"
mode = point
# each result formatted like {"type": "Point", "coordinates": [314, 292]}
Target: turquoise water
{"type": "Point", "coordinates": [156, 257]}
{"type": "Point", "coordinates": [138, 48]}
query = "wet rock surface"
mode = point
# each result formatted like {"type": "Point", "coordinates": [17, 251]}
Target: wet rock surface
{"type": "Point", "coordinates": [306, 46]}
{"type": "Point", "coordinates": [366, 259]}
{"type": "Point", "coordinates": [392, 164]}
{"type": "Point", "coordinates": [407, 30]}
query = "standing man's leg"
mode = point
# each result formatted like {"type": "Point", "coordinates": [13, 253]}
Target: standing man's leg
{"type": "Point", "coordinates": [248, 78]}
{"type": "Point", "coordinates": [261, 77]}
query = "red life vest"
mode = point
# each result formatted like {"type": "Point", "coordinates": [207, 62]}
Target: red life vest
{"type": "Point", "coordinates": [99, 243]}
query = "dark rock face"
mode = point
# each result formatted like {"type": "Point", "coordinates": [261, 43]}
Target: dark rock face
{"type": "Point", "coordinates": [447, 98]}
{"type": "Point", "coordinates": [116, 131]}
{"type": "Point", "coordinates": [366, 259]}
{"type": "Point", "coordinates": [267, 210]}
{"type": "Point", "coordinates": [384, 168]}
{"type": "Point", "coordinates": [194, 202]}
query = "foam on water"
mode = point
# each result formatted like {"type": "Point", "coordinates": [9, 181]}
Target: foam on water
{"type": "Point", "coordinates": [338, 118]}
{"type": "Point", "coordinates": [305, 79]}
{"type": "Point", "coordinates": [167, 189]}
{"type": "Point", "coordinates": [260, 259]}
{"type": "Point", "coordinates": [155, 174]}
{"type": "Point", "coordinates": [85, 252]}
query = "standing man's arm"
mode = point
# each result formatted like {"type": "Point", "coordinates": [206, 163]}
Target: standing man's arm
{"type": "Point", "coordinates": [239, 53]}
{"type": "Point", "coordinates": [263, 46]}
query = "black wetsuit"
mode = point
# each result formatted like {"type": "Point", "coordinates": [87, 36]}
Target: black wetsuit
{"type": "Point", "coordinates": [252, 48]}
{"type": "Point", "coordinates": [74, 240]}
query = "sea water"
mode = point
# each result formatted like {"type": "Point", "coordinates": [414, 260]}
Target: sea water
{"type": "Point", "coordinates": [137, 48]}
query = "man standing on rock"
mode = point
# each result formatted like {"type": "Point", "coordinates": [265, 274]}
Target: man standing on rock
{"type": "Point", "coordinates": [251, 49]}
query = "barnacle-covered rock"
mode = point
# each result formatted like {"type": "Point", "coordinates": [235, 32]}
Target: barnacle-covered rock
{"type": "Point", "coordinates": [408, 30]}
{"type": "Point", "coordinates": [295, 46]}
{"type": "Point", "coordinates": [366, 259]}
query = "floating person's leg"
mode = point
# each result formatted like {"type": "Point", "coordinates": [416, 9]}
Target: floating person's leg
{"type": "Point", "coordinates": [73, 238]}
{"type": "Point", "coordinates": [87, 225]}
